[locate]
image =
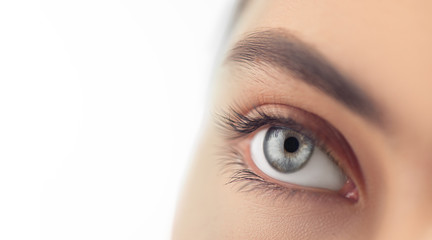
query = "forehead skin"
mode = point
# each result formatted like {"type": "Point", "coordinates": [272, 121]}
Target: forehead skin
{"type": "Point", "coordinates": [386, 46]}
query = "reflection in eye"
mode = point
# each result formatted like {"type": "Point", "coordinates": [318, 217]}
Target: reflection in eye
{"type": "Point", "coordinates": [289, 156]}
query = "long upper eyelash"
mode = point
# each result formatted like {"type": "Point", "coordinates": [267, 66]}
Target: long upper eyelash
{"type": "Point", "coordinates": [243, 125]}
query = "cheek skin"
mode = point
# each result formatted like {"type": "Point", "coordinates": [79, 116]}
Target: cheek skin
{"type": "Point", "coordinates": [210, 209]}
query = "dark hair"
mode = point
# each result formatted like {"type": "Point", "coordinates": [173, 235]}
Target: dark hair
{"type": "Point", "coordinates": [241, 5]}
{"type": "Point", "coordinates": [234, 18]}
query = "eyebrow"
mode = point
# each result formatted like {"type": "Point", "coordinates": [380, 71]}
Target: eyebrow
{"type": "Point", "coordinates": [279, 48]}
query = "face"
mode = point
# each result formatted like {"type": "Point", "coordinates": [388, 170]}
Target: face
{"type": "Point", "coordinates": [320, 126]}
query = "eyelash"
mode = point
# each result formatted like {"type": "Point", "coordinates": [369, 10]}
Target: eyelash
{"type": "Point", "coordinates": [248, 180]}
{"type": "Point", "coordinates": [235, 125]}
{"type": "Point", "coordinates": [244, 125]}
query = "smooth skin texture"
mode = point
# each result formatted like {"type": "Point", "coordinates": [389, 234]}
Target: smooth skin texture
{"type": "Point", "coordinates": [385, 49]}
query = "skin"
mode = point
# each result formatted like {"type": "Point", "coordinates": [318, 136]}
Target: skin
{"type": "Point", "coordinates": [384, 46]}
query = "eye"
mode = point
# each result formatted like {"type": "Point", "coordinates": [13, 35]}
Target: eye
{"type": "Point", "coordinates": [289, 156]}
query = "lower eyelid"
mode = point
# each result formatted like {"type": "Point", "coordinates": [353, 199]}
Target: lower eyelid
{"type": "Point", "coordinates": [248, 180]}
{"type": "Point", "coordinates": [236, 164]}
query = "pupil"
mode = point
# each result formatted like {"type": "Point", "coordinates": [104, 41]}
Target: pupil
{"type": "Point", "coordinates": [291, 144]}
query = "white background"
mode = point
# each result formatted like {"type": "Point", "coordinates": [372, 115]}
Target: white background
{"type": "Point", "coordinates": [100, 106]}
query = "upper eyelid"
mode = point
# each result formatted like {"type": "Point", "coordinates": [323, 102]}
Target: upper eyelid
{"type": "Point", "coordinates": [280, 48]}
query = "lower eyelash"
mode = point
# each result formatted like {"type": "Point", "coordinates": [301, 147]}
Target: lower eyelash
{"type": "Point", "coordinates": [245, 180]}
{"type": "Point", "coordinates": [238, 125]}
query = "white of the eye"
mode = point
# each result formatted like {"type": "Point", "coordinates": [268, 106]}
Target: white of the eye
{"type": "Point", "coordinates": [319, 172]}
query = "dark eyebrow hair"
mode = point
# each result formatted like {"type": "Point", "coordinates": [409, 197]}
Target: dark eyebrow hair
{"type": "Point", "coordinates": [278, 48]}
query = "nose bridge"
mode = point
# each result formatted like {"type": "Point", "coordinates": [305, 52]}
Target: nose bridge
{"type": "Point", "coordinates": [407, 201]}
